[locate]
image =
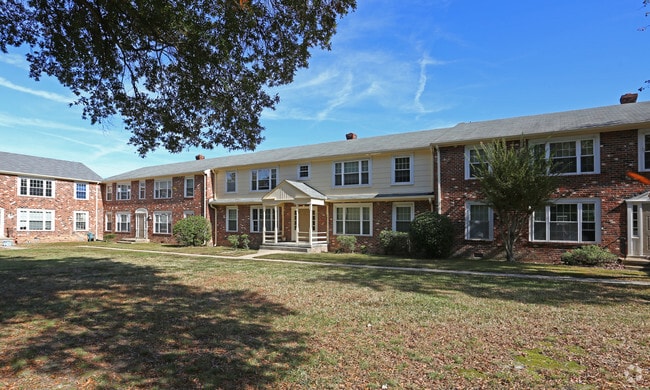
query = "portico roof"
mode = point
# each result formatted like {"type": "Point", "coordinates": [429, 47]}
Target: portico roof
{"type": "Point", "coordinates": [295, 192]}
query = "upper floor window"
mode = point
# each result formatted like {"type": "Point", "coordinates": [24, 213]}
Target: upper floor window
{"type": "Point", "coordinates": [304, 172]}
{"type": "Point", "coordinates": [189, 187]}
{"type": "Point", "coordinates": [109, 192]}
{"type": "Point", "coordinates": [231, 181]}
{"type": "Point", "coordinates": [263, 179]}
{"type": "Point", "coordinates": [352, 173]}
{"type": "Point", "coordinates": [479, 221]}
{"type": "Point", "coordinates": [572, 156]}
{"type": "Point", "coordinates": [570, 220]}
{"type": "Point", "coordinates": [123, 191]}
{"type": "Point", "coordinates": [644, 150]}
{"type": "Point", "coordinates": [162, 189]}
{"type": "Point", "coordinates": [353, 219]}
{"type": "Point", "coordinates": [81, 191]}
{"type": "Point", "coordinates": [35, 220]}
{"type": "Point", "coordinates": [80, 220]}
{"type": "Point", "coordinates": [142, 189]}
{"type": "Point", "coordinates": [402, 170]}
{"type": "Point", "coordinates": [403, 214]}
{"type": "Point", "coordinates": [473, 157]}
{"type": "Point", "coordinates": [36, 187]}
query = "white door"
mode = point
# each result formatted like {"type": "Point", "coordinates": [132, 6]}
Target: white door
{"type": "Point", "coordinates": [141, 224]}
{"type": "Point", "coordinates": [2, 223]}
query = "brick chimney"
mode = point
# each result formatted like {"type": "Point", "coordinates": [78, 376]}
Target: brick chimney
{"type": "Point", "coordinates": [629, 98]}
{"type": "Point", "coordinates": [350, 136]}
{"type": "Point", "coordinates": [200, 157]}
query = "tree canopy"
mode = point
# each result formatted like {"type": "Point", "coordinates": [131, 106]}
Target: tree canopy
{"type": "Point", "coordinates": [515, 180]}
{"type": "Point", "coordinates": [181, 73]}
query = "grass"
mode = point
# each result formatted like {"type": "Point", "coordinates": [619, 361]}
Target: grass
{"type": "Point", "coordinates": [85, 317]}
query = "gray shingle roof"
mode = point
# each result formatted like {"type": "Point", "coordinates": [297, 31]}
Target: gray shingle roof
{"type": "Point", "coordinates": [602, 118]}
{"type": "Point", "coordinates": [21, 164]}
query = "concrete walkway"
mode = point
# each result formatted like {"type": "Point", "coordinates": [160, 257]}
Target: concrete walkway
{"type": "Point", "coordinates": [256, 257]}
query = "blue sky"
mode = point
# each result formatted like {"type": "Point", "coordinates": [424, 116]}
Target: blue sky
{"type": "Point", "coordinates": [395, 66]}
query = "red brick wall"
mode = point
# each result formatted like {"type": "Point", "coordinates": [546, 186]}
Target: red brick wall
{"type": "Point", "coordinates": [618, 154]}
{"type": "Point", "coordinates": [63, 204]}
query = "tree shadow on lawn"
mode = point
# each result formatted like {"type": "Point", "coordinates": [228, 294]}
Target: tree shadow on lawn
{"type": "Point", "coordinates": [523, 290]}
{"type": "Point", "coordinates": [124, 325]}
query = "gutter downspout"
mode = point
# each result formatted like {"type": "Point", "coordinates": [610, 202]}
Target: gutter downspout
{"type": "Point", "coordinates": [438, 181]}
{"type": "Point", "coordinates": [97, 195]}
{"type": "Point", "coordinates": [214, 191]}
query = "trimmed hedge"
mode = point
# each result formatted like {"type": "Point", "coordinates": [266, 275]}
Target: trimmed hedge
{"type": "Point", "coordinates": [591, 255]}
{"type": "Point", "coordinates": [431, 235]}
{"type": "Point", "coordinates": [192, 231]}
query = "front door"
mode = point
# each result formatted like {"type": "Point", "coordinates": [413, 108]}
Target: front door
{"type": "Point", "coordinates": [645, 229]}
{"type": "Point", "coordinates": [141, 224]}
{"type": "Point", "coordinates": [2, 223]}
{"type": "Point", "coordinates": [300, 223]}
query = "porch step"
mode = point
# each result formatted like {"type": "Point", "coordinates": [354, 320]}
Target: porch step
{"type": "Point", "coordinates": [637, 263]}
{"type": "Point", "coordinates": [295, 247]}
{"type": "Point", "coordinates": [130, 240]}
{"type": "Point", "coordinates": [5, 242]}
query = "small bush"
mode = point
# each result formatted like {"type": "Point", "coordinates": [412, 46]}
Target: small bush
{"type": "Point", "coordinates": [347, 243]}
{"type": "Point", "coordinates": [394, 243]}
{"type": "Point", "coordinates": [233, 239]}
{"type": "Point", "coordinates": [109, 237]}
{"type": "Point", "coordinates": [244, 241]}
{"type": "Point", "coordinates": [591, 255]}
{"type": "Point", "coordinates": [431, 235]}
{"type": "Point", "coordinates": [192, 231]}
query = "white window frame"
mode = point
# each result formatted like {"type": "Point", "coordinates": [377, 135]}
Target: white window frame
{"type": "Point", "coordinates": [255, 183]}
{"type": "Point", "coordinates": [394, 170]}
{"type": "Point", "coordinates": [469, 220]}
{"type": "Point", "coordinates": [359, 173]}
{"type": "Point", "coordinates": [596, 146]}
{"type": "Point", "coordinates": [231, 175]}
{"type": "Point", "coordinates": [159, 221]}
{"type": "Point", "coordinates": [108, 222]}
{"type": "Point", "coordinates": [24, 218]}
{"type": "Point", "coordinates": [142, 189]}
{"type": "Point", "coordinates": [579, 202]}
{"type": "Point", "coordinates": [299, 171]}
{"type": "Point", "coordinates": [85, 192]}
{"type": "Point", "coordinates": [256, 219]}
{"type": "Point", "coordinates": [344, 207]}
{"type": "Point", "coordinates": [28, 184]}
{"type": "Point", "coordinates": [188, 213]}
{"type": "Point", "coordinates": [469, 150]}
{"type": "Point", "coordinates": [162, 189]}
{"type": "Point", "coordinates": [641, 147]}
{"type": "Point", "coordinates": [228, 216]}
{"type": "Point", "coordinates": [397, 205]}
{"type": "Point", "coordinates": [123, 191]}
{"type": "Point", "coordinates": [189, 187]}
{"type": "Point", "coordinates": [85, 220]}
{"type": "Point", "coordinates": [109, 191]}
{"type": "Point", "coordinates": [119, 222]}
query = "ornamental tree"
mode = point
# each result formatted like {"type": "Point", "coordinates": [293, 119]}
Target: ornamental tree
{"type": "Point", "coordinates": [183, 73]}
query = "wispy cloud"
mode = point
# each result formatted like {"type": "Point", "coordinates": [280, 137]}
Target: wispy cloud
{"type": "Point", "coordinates": [7, 120]}
{"type": "Point", "coordinates": [15, 60]}
{"type": "Point", "coordinates": [422, 83]}
{"type": "Point", "coordinates": [55, 97]}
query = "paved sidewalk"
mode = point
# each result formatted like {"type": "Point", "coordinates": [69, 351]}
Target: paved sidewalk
{"type": "Point", "coordinates": [255, 257]}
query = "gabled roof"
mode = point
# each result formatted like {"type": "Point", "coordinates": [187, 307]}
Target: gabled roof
{"type": "Point", "coordinates": [21, 164]}
{"type": "Point", "coordinates": [291, 190]}
{"type": "Point", "coordinates": [552, 124]}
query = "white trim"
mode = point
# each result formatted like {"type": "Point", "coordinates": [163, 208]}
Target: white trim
{"type": "Point", "coordinates": [228, 209]}
{"type": "Point", "coordinates": [466, 159]}
{"type": "Point", "coordinates": [411, 205]}
{"type": "Point", "coordinates": [158, 214]}
{"type": "Point", "coordinates": [346, 206]}
{"type": "Point", "coordinates": [342, 185]}
{"type": "Point", "coordinates": [108, 218]}
{"type": "Point", "coordinates": [393, 169]}
{"type": "Point", "coordinates": [157, 189]}
{"type": "Point", "coordinates": [185, 186]}
{"type": "Point", "coordinates": [118, 216]}
{"type": "Point", "coordinates": [468, 221]}
{"type": "Point", "coordinates": [257, 181]}
{"type": "Point", "coordinates": [594, 137]}
{"type": "Point", "coordinates": [26, 212]}
{"type": "Point", "coordinates": [86, 222]}
{"type": "Point", "coordinates": [308, 177]}
{"type": "Point", "coordinates": [87, 192]}
{"type": "Point", "coordinates": [576, 201]}
{"type": "Point", "coordinates": [29, 181]}
{"type": "Point", "coordinates": [118, 192]}
{"type": "Point", "coordinates": [142, 189]}
{"type": "Point", "coordinates": [226, 182]}
{"type": "Point", "coordinates": [641, 149]}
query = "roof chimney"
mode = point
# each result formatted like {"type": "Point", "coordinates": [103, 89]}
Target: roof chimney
{"type": "Point", "coordinates": [200, 157]}
{"type": "Point", "coordinates": [629, 98]}
{"type": "Point", "coordinates": [350, 136]}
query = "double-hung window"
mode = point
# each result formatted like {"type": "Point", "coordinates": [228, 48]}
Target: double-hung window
{"type": "Point", "coordinates": [231, 219]}
{"type": "Point", "coordinates": [473, 156]}
{"type": "Point", "coordinates": [162, 189]}
{"type": "Point", "coordinates": [142, 189]}
{"type": "Point", "coordinates": [189, 187]}
{"type": "Point", "coordinates": [260, 217]}
{"type": "Point", "coordinates": [567, 220]}
{"type": "Point", "coordinates": [123, 191]}
{"type": "Point", "coordinates": [353, 220]}
{"type": "Point", "coordinates": [122, 222]}
{"type": "Point", "coordinates": [162, 222]}
{"type": "Point", "coordinates": [572, 156]}
{"type": "Point", "coordinates": [109, 191]}
{"type": "Point", "coordinates": [80, 220]}
{"type": "Point", "coordinates": [402, 170]}
{"type": "Point", "coordinates": [231, 181]}
{"type": "Point", "coordinates": [352, 173]}
{"type": "Point", "coordinates": [35, 220]}
{"type": "Point", "coordinates": [264, 179]}
{"type": "Point", "coordinates": [109, 222]}
{"type": "Point", "coordinates": [304, 172]}
{"type": "Point", "coordinates": [479, 221]}
{"type": "Point", "coordinates": [402, 216]}
{"type": "Point", "coordinates": [36, 187]}
{"type": "Point", "coordinates": [81, 191]}
{"type": "Point", "coordinates": [644, 150]}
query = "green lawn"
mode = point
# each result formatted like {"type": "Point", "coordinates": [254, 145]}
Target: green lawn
{"type": "Point", "coordinates": [95, 318]}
